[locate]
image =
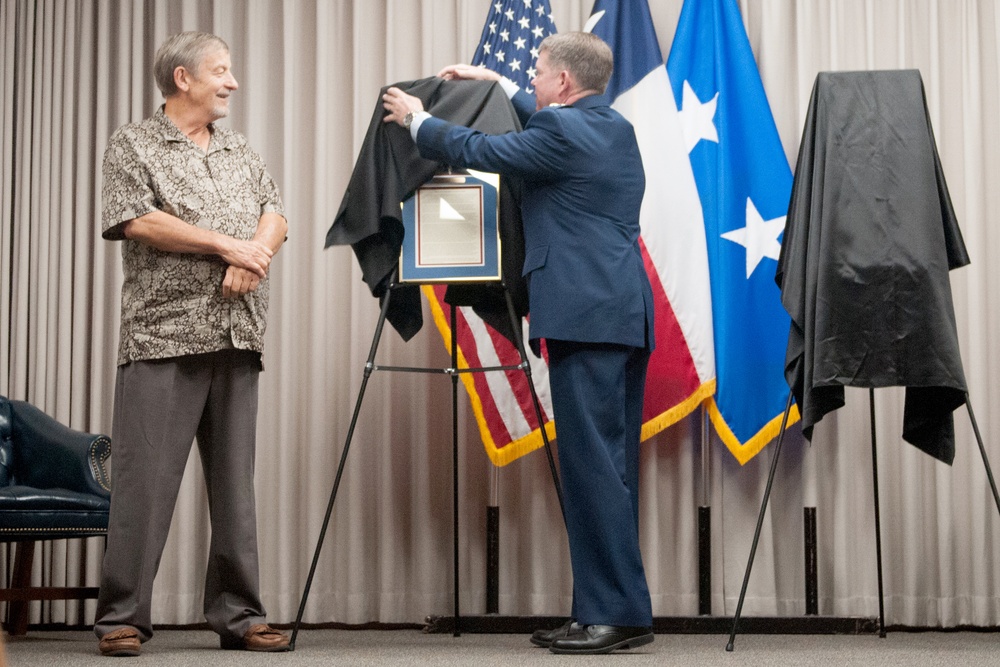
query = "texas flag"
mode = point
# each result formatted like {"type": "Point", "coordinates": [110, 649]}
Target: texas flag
{"type": "Point", "coordinates": [682, 368]}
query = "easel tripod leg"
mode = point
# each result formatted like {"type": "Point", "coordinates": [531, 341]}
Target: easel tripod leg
{"type": "Point", "coordinates": [878, 522]}
{"type": "Point", "coordinates": [982, 451]}
{"type": "Point", "coordinates": [454, 461]}
{"type": "Point", "coordinates": [515, 324]}
{"type": "Point", "coordinates": [760, 522]}
{"type": "Point", "coordinates": [369, 366]}
{"type": "Point", "coordinates": [545, 439]}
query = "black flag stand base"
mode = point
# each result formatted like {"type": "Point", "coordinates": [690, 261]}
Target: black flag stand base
{"type": "Point", "coordinates": [454, 371]}
{"type": "Point", "coordinates": [878, 528]}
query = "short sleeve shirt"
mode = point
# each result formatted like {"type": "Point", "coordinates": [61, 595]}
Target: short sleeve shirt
{"type": "Point", "coordinates": [172, 303]}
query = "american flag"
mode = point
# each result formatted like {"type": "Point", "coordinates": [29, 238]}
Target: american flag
{"type": "Point", "coordinates": [501, 402]}
{"type": "Point", "coordinates": [513, 32]}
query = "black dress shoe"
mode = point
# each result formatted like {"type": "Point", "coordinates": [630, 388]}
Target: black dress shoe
{"type": "Point", "coordinates": [544, 638]}
{"type": "Point", "coordinates": [602, 639]}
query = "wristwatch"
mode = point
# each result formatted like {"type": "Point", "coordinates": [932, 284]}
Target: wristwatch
{"type": "Point", "coordinates": [408, 120]}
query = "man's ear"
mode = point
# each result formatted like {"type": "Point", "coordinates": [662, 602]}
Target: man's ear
{"type": "Point", "coordinates": [182, 78]}
{"type": "Point", "coordinates": [565, 80]}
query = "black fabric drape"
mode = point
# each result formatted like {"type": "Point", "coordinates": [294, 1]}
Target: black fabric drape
{"type": "Point", "coordinates": [870, 237]}
{"type": "Point", "coordinates": [389, 169]}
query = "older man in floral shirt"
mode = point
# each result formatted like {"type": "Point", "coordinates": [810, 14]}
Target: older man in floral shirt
{"type": "Point", "coordinates": [200, 220]}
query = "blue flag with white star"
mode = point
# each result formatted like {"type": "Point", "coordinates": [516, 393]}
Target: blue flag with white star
{"type": "Point", "coordinates": [744, 182]}
{"type": "Point", "coordinates": [513, 32]}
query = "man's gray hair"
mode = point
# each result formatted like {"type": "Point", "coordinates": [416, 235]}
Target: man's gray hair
{"type": "Point", "coordinates": [584, 55]}
{"type": "Point", "coordinates": [187, 50]}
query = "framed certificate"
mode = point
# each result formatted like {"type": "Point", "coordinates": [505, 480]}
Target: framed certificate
{"type": "Point", "coordinates": [451, 231]}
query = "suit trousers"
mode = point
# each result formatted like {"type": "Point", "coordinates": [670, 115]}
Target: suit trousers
{"type": "Point", "coordinates": [597, 397]}
{"type": "Point", "coordinates": [161, 406]}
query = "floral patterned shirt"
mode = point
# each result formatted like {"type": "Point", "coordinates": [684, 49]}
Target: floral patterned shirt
{"type": "Point", "coordinates": [172, 303]}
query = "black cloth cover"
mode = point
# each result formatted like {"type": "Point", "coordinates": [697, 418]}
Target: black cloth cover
{"type": "Point", "coordinates": [387, 172]}
{"type": "Point", "coordinates": [870, 237]}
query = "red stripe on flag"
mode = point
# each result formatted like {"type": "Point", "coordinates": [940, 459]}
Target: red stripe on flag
{"type": "Point", "coordinates": [469, 350]}
{"type": "Point", "coordinates": [672, 377]}
{"type": "Point", "coordinates": [509, 356]}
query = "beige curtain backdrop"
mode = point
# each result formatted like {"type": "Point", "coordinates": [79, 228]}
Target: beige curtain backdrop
{"type": "Point", "coordinates": [309, 72]}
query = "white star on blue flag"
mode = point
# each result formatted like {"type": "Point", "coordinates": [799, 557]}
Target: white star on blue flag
{"type": "Point", "coordinates": [525, 23]}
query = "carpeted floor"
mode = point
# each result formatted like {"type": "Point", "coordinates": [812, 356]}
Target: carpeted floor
{"type": "Point", "coordinates": [179, 648]}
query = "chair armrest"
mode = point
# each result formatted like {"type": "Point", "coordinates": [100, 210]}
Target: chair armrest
{"type": "Point", "coordinates": [50, 455]}
{"type": "Point", "coordinates": [6, 441]}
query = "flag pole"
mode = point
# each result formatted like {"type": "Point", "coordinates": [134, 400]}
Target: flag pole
{"type": "Point", "coordinates": [706, 458]}
{"type": "Point", "coordinates": [809, 530]}
{"type": "Point", "coordinates": [493, 544]}
{"type": "Point", "coordinates": [705, 523]}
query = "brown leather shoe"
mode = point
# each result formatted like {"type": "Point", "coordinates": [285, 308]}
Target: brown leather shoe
{"type": "Point", "coordinates": [259, 637]}
{"type": "Point", "coordinates": [121, 643]}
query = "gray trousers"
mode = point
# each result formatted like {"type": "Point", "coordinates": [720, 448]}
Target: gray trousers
{"type": "Point", "coordinates": [160, 407]}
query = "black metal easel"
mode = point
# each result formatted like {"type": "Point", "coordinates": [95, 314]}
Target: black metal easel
{"type": "Point", "coordinates": [454, 371]}
{"type": "Point", "coordinates": [878, 530]}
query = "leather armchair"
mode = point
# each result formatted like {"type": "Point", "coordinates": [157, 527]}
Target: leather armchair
{"type": "Point", "coordinates": [54, 484]}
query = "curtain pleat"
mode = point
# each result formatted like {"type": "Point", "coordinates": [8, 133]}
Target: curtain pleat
{"type": "Point", "coordinates": [309, 72]}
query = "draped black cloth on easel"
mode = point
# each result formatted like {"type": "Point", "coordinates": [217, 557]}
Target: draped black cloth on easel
{"type": "Point", "coordinates": [870, 237]}
{"type": "Point", "coordinates": [389, 169]}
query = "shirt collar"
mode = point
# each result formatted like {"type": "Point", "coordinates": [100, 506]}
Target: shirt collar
{"type": "Point", "coordinates": [590, 101]}
{"type": "Point", "coordinates": [220, 140]}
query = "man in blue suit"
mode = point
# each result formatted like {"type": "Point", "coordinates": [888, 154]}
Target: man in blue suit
{"type": "Point", "coordinates": [590, 300]}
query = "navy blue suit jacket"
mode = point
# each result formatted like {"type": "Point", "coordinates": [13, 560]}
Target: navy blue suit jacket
{"type": "Point", "coordinates": [583, 186]}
